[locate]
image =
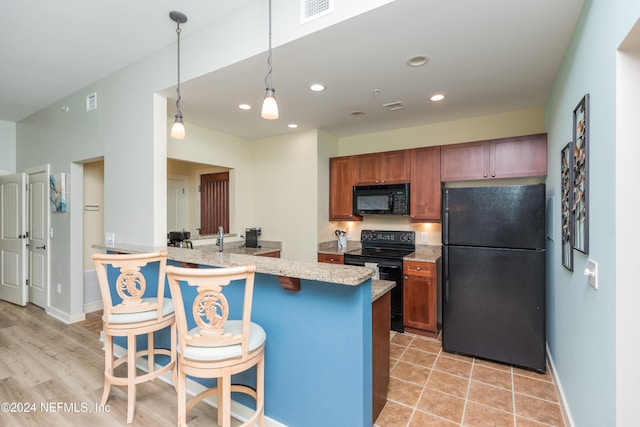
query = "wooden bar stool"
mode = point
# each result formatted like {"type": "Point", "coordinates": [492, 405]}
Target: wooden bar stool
{"type": "Point", "coordinates": [131, 307]}
{"type": "Point", "coordinates": [217, 347]}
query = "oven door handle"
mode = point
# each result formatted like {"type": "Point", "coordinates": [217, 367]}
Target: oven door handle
{"type": "Point", "coordinates": [394, 267]}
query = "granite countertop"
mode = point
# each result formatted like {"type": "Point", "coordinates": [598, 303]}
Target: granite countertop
{"type": "Point", "coordinates": [331, 248]}
{"type": "Point", "coordinates": [380, 287]}
{"type": "Point", "coordinates": [235, 256]}
{"type": "Point", "coordinates": [423, 253]}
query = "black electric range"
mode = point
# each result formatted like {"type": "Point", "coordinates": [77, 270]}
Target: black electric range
{"type": "Point", "coordinates": [386, 249]}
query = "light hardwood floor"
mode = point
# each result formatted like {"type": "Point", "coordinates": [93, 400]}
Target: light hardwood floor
{"type": "Point", "coordinates": [51, 374]}
{"type": "Point", "coordinates": [46, 363]}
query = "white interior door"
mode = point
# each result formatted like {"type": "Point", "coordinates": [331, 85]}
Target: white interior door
{"type": "Point", "coordinates": [38, 208]}
{"type": "Point", "coordinates": [177, 204]}
{"type": "Point", "coordinates": [13, 225]}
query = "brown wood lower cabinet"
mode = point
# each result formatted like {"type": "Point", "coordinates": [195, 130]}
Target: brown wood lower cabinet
{"type": "Point", "coordinates": [331, 258]}
{"type": "Point", "coordinates": [381, 348]}
{"type": "Point", "coordinates": [420, 297]}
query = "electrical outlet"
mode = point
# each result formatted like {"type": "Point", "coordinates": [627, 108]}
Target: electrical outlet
{"type": "Point", "coordinates": [58, 288]}
{"type": "Point", "coordinates": [592, 273]}
{"type": "Point", "coordinates": [423, 237]}
{"type": "Point", "coordinates": [109, 239]}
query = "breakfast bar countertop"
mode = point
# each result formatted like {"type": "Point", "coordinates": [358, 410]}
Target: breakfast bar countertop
{"type": "Point", "coordinates": [209, 255]}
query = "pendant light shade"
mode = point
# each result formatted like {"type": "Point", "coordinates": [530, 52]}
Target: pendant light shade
{"type": "Point", "coordinates": [177, 130]}
{"type": "Point", "coordinates": [269, 106]}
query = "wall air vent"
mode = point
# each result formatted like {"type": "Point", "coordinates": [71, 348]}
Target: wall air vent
{"type": "Point", "coordinates": [92, 101]}
{"type": "Point", "coordinates": [314, 9]}
{"type": "Point", "coordinates": [397, 105]}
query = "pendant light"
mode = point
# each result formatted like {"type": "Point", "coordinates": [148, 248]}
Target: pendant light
{"type": "Point", "coordinates": [177, 130]}
{"type": "Point", "coordinates": [269, 106]}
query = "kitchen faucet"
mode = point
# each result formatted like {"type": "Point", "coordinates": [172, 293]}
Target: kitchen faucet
{"type": "Point", "coordinates": [220, 239]}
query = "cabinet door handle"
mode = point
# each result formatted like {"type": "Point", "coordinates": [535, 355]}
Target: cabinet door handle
{"type": "Point", "coordinates": [406, 278]}
{"type": "Point", "coordinates": [493, 175]}
{"type": "Point", "coordinates": [418, 268]}
{"type": "Point", "coordinates": [485, 175]}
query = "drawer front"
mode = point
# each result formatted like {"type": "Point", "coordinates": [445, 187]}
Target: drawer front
{"type": "Point", "coordinates": [416, 268]}
{"type": "Point", "coordinates": [331, 259]}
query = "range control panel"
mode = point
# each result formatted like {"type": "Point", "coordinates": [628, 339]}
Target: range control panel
{"type": "Point", "coordinates": [391, 237]}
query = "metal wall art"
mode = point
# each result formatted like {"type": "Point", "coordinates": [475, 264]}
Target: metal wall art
{"type": "Point", "coordinates": [580, 163]}
{"type": "Point", "coordinates": [566, 206]}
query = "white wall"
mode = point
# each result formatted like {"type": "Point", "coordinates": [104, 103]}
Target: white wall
{"type": "Point", "coordinates": [514, 123]}
{"type": "Point", "coordinates": [582, 321]}
{"type": "Point", "coordinates": [7, 147]}
{"type": "Point", "coordinates": [627, 235]}
{"type": "Point", "coordinates": [285, 183]}
{"type": "Point", "coordinates": [328, 146]}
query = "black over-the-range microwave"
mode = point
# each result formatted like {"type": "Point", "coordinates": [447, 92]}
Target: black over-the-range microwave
{"type": "Point", "coordinates": [388, 199]}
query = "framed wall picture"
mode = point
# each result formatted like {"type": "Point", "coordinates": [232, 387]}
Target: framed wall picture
{"type": "Point", "coordinates": [57, 192]}
{"type": "Point", "coordinates": [580, 170]}
{"type": "Point", "coordinates": [566, 205]}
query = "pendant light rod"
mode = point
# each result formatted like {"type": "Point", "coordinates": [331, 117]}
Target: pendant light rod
{"type": "Point", "coordinates": [177, 130]}
{"type": "Point", "coordinates": [267, 78]}
{"type": "Point", "coordinates": [269, 106]}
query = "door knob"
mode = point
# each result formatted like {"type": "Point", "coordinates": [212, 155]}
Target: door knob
{"type": "Point", "coordinates": [41, 247]}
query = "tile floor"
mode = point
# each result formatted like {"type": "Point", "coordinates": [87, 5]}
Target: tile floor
{"type": "Point", "coordinates": [429, 387]}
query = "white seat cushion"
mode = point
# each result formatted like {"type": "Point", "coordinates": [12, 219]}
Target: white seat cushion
{"type": "Point", "coordinates": [143, 316]}
{"type": "Point", "coordinates": [257, 337]}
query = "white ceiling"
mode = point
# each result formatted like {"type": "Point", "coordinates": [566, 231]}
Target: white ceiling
{"type": "Point", "coordinates": [486, 56]}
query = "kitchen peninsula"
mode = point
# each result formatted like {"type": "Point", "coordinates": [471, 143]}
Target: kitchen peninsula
{"type": "Point", "coordinates": [318, 368]}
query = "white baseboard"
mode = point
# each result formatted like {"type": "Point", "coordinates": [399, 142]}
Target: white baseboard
{"type": "Point", "coordinates": [238, 410]}
{"type": "Point", "coordinates": [91, 307]}
{"type": "Point", "coordinates": [64, 317]}
{"type": "Point", "coordinates": [566, 412]}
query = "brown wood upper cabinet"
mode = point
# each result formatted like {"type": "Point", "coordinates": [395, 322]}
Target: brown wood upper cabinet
{"type": "Point", "coordinates": [341, 189]}
{"type": "Point", "coordinates": [515, 157]}
{"type": "Point", "coordinates": [425, 184]}
{"type": "Point", "coordinates": [389, 167]}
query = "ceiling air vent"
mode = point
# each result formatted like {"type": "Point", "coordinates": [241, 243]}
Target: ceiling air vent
{"type": "Point", "coordinates": [92, 101]}
{"type": "Point", "coordinates": [314, 9]}
{"type": "Point", "coordinates": [397, 105]}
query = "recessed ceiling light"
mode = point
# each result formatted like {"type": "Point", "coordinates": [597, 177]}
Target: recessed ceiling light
{"type": "Point", "coordinates": [244, 107]}
{"type": "Point", "coordinates": [437, 97]}
{"type": "Point", "coordinates": [292, 126]}
{"type": "Point", "coordinates": [317, 87]}
{"type": "Point", "coordinates": [417, 60]}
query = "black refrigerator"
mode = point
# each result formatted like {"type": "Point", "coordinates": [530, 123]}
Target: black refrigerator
{"type": "Point", "coordinates": [493, 304]}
